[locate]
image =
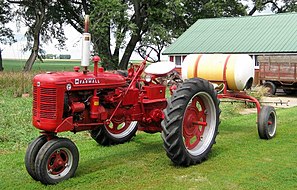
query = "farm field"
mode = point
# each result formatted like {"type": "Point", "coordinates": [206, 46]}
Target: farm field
{"type": "Point", "coordinates": [239, 159]}
{"type": "Point", "coordinates": [47, 65]}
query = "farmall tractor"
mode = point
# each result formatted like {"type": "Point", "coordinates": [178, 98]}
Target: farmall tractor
{"type": "Point", "coordinates": [113, 106]}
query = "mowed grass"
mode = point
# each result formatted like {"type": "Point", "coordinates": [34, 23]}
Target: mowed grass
{"type": "Point", "coordinates": [239, 159]}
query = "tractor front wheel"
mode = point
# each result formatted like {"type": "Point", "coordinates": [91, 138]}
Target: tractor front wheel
{"type": "Point", "coordinates": [31, 154]}
{"type": "Point", "coordinates": [191, 122]}
{"type": "Point", "coordinates": [267, 122]}
{"type": "Point", "coordinates": [115, 133]}
{"type": "Point", "coordinates": [56, 161]}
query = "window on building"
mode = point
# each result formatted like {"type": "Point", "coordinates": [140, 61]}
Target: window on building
{"type": "Point", "coordinates": [178, 60]}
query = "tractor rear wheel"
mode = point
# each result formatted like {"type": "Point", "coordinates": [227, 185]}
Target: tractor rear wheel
{"type": "Point", "coordinates": [115, 133]}
{"type": "Point", "coordinates": [31, 154]}
{"type": "Point", "coordinates": [191, 122]}
{"type": "Point", "coordinates": [56, 161]}
{"type": "Point", "coordinates": [267, 122]}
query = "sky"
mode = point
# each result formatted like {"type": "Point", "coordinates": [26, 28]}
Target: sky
{"type": "Point", "coordinates": [73, 42]}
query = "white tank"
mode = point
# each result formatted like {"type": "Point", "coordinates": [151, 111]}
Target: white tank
{"type": "Point", "coordinates": [237, 69]}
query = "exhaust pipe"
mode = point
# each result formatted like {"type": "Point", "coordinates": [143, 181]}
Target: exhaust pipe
{"type": "Point", "coordinates": [86, 43]}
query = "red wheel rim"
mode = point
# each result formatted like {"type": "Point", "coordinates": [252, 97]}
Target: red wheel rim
{"type": "Point", "coordinates": [57, 162]}
{"type": "Point", "coordinates": [194, 123]}
{"type": "Point", "coordinates": [271, 124]}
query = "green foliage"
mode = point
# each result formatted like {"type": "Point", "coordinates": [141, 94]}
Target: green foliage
{"type": "Point", "coordinates": [43, 18]}
{"type": "Point", "coordinates": [276, 6]}
{"type": "Point", "coordinates": [6, 35]}
{"type": "Point", "coordinates": [195, 10]}
{"type": "Point", "coordinates": [111, 22]}
{"type": "Point", "coordinates": [64, 56]}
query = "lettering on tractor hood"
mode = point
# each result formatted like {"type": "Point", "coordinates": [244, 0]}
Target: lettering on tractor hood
{"type": "Point", "coordinates": [87, 81]}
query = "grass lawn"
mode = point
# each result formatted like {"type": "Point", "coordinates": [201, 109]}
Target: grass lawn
{"type": "Point", "coordinates": [239, 160]}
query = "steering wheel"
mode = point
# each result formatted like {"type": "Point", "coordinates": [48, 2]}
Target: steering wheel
{"type": "Point", "coordinates": [149, 53]}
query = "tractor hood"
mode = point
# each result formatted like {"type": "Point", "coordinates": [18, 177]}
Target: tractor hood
{"type": "Point", "coordinates": [79, 80]}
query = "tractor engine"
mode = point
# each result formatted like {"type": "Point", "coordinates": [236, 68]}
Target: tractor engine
{"type": "Point", "coordinates": [62, 99]}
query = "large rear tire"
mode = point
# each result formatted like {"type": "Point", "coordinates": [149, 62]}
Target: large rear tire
{"type": "Point", "coordinates": [115, 133]}
{"type": "Point", "coordinates": [191, 122]}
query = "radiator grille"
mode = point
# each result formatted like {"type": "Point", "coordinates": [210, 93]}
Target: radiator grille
{"type": "Point", "coordinates": [34, 101]}
{"type": "Point", "coordinates": [47, 103]}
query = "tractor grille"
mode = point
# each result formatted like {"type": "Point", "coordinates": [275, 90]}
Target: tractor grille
{"type": "Point", "coordinates": [34, 101]}
{"type": "Point", "coordinates": [44, 102]}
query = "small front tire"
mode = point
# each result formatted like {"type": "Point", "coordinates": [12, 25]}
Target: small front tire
{"type": "Point", "coordinates": [31, 153]}
{"type": "Point", "coordinates": [267, 122]}
{"type": "Point", "coordinates": [56, 161]}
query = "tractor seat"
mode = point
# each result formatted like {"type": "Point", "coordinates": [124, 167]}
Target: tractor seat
{"type": "Point", "coordinates": [160, 68]}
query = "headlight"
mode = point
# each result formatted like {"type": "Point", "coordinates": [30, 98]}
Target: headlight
{"type": "Point", "coordinates": [148, 78]}
{"type": "Point", "coordinates": [68, 86]}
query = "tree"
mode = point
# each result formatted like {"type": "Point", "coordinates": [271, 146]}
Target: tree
{"type": "Point", "coordinates": [6, 36]}
{"type": "Point", "coordinates": [43, 19]}
{"type": "Point", "coordinates": [277, 6]}
{"type": "Point", "coordinates": [128, 22]}
{"type": "Point", "coordinates": [179, 16]}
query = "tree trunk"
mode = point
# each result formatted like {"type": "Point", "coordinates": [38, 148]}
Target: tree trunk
{"type": "Point", "coordinates": [102, 47]}
{"type": "Point", "coordinates": [129, 50]}
{"type": "Point", "coordinates": [1, 65]}
{"type": "Point", "coordinates": [36, 35]}
{"type": "Point", "coordinates": [29, 63]}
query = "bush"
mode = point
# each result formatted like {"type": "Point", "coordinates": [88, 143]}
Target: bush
{"type": "Point", "coordinates": [66, 56]}
{"type": "Point", "coordinates": [15, 83]}
{"type": "Point", "coordinates": [257, 92]}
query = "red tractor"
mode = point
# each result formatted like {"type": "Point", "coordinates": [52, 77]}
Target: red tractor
{"type": "Point", "coordinates": [113, 106]}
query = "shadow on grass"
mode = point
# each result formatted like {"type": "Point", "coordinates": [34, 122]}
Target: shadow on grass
{"type": "Point", "coordinates": [138, 153]}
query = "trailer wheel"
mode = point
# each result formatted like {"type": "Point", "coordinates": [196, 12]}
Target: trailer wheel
{"type": "Point", "coordinates": [191, 122]}
{"type": "Point", "coordinates": [56, 161]}
{"type": "Point", "coordinates": [267, 122]}
{"type": "Point", "coordinates": [271, 87]}
{"type": "Point", "coordinates": [115, 133]}
{"type": "Point", "coordinates": [31, 154]}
